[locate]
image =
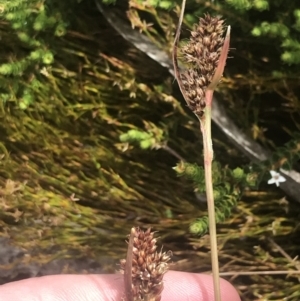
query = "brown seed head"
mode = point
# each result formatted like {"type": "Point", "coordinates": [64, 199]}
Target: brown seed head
{"type": "Point", "coordinates": [148, 266]}
{"type": "Point", "coordinates": [202, 54]}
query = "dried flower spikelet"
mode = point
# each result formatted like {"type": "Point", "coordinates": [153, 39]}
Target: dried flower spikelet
{"type": "Point", "coordinates": [148, 266]}
{"type": "Point", "coordinates": [202, 54]}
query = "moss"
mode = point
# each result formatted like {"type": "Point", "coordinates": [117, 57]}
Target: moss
{"type": "Point", "coordinates": [60, 129]}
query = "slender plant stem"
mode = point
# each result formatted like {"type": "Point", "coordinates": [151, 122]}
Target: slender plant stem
{"type": "Point", "coordinates": [205, 122]}
{"type": "Point", "coordinates": [237, 273]}
{"type": "Point", "coordinates": [128, 268]}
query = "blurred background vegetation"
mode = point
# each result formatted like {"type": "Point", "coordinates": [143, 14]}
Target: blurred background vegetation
{"type": "Point", "coordinates": [70, 189]}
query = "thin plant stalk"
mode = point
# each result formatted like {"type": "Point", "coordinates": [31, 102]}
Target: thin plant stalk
{"type": "Point", "coordinates": [203, 112]}
{"type": "Point", "coordinates": [205, 123]}
{"type": "Point", "coordinates": [128, 268]}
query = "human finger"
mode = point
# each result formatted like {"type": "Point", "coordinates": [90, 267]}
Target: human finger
{"type": "Point", "coordinates": [178, 286]}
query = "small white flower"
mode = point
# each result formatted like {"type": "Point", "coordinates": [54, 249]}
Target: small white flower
{"type": "Point", "coordinates": [276, 178]}
{"type": "Point", "coordinates": [44, 71]}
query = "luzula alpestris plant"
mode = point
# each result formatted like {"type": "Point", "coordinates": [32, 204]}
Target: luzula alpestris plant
{"type": "Point", "coordinates": [144, 267]}
{"type": "Point", "coordinates": [205, 56]}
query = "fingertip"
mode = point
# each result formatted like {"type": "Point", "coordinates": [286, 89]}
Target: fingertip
{"type": "Point", "coordinates": [65, 288]}
{"type": "Point", "coordinates": [228, 291]}
{"type": "Point", "coordinates": [180, 286]}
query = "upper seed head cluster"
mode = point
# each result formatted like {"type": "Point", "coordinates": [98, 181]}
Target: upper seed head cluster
{"type": "Point", "coordinates": [202, 53]}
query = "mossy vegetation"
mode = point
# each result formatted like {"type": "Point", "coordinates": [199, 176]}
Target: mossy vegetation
{"type": "Point", "coordinates": [71, 86]}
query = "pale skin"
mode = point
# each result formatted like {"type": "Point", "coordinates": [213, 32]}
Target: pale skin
{"type": "Point", "coordinates": [179, 286]}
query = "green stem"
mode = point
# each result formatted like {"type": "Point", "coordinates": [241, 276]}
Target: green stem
{"type": "Point", "coordinates": [205, 122]}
